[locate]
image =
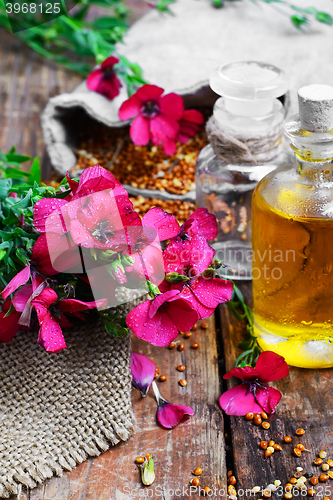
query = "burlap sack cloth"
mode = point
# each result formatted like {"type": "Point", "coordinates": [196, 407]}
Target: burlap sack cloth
{"type": "Point", "coordinates": [58, 409]}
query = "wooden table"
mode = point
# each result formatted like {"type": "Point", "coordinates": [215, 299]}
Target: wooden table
{"type": "Point", "coordinates": [208, 439]}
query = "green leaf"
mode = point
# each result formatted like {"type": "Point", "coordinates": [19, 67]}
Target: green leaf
{"type": "Point", "coordinates": [11, 157]}
{"type": "Point", "coordinates": [35, 172]}
{"type": "Point", "coordinates": [2, 254]}
{"type": "Point", "coordinates": [5, 185]}
{"type": "Point", "coordinates": [323, 17]}
{"type": "Point", "coordinates": [299, 21]}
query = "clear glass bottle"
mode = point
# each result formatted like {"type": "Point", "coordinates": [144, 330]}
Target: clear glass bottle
{"type": "Point", "coordinates": [292, 238]}
{"type": "Point", "coordinates": [246, 143]}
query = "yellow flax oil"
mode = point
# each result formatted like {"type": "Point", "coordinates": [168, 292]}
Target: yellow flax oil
{"type": "Point", "coordinates": [292, 240]}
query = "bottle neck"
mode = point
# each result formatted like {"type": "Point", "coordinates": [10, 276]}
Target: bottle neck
{"type": "Point", "coordinates": [313, 152]}
{"type": "Point", "coordinates": [261, 136]}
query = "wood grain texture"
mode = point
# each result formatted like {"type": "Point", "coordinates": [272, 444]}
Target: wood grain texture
{"type": "Point", "coordinates": [195, 442]}
{"type": "Point", "coordinates": [27, 81]}
{"type": "Point", "coordinates": [306, 402]}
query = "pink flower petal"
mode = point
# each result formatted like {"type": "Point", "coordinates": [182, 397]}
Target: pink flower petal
{"type": "Point", "coordinates": [170, 415]}
{"type": "Point", "coordinates": [163, 127]}
{"type": "Point", "coordinates": [9, 326]}
{"type": "Point", "coordinates": [159, 300]}
{"type": "Point", "coordinates": [193, 115]}
{"type": "Point", "coordinates": [109, 62]}
{"type": "Point", "coordinates": [237, 401]}
{"type": "Point", "coordinates": [104, 80]}
{"type": "Point", "coordinates": [94, 79]}
{"type": "Point", "coordinates": [44, 300]}
{"type": "Point", "coordinates": [205, 294]}
{"type": "Point", "coordinates": [130, 108]}
{"type": "Point", "coordinates": [49, 209]}
{"type": "Point", "coordinates": [139, 131]}
{"type": "Point", "coordinates": [165, 224]}
{"type": "Point", "coordinates": [243, 373]}
{"type": "Point", "coordinates": [74, 305]}
{"type": "Point", "coordinates": [190, 257]}
{"type": "Point", "coordinates": [95, 179]}
{"type": "Point", "coordinates": [72, 184]}
{"type": "Point", "coordinates": [20, 279]}
{"type": "Point", "coordinates": [268, 398]}
{"type": "Point", "coordinates": [169, 146]}
{"type": "Point", "coordinates": [21, 297]}
{"type": "Point", "coordinates": [143, 372]}
{"type": "Point", "coordinates": [271, 366]}
{"type": "Point", "coordinates": [159, 330]}
{"type": "Point", "coordinates": [50, 335]}
{"type": "Point", "coordinates": [164, 326]}
{"type": "Point", "coordinates": [201, 223]}
{"type": "Point", "coordinates": [149, 93]}
{"type": "Point", "coordinates": [55, 253]}
{"type": "Point", "coordinates": [172, 104]}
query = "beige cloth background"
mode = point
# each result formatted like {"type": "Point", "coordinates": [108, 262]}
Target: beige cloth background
{"type": "Point", "coordinates": [178, 52]}
{"type": "Point", "coordinates": [56, 410]}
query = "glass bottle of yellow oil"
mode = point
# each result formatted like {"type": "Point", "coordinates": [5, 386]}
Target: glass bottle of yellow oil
{"type": "Point", "coordinates": [292, 240]}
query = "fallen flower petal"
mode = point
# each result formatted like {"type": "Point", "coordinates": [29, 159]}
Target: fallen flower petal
{"type": "Point", "coordinates": [143, 372]}
{"type": "Point", "coordinates": [168, 414]}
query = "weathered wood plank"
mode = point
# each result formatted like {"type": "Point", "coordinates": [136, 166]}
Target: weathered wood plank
{"type": "Point", "coordinates": [306, 402]}
{"type": "Point", "coordinates": [196, 442]}
{"type": "Point", "coordinates": [27, 81]}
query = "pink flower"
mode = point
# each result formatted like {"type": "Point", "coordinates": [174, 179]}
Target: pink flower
{"type": "Point", "coordinates": [205, 294]}
{"type": "Point", "coordinates": [41, 298]}
{"type": "Point", "coordinates": [156, 117]}
{"type": "Point", "coordinates": [157, 226]}
{"type": "Point", "coordinates": [159, 321]}
{"type": "Point", "coordinates": [252, 395]}
{"type": "Point", "coordinates": [189, 125]}
{"type": "Point", "coordinates": [143, 372]}
{"type": "Point", "coordinates": [200, 223]}
{"type": "Point", "coordinates": [189, 257]}
{"type": "Point", "coordinates": [104, 80]}
{"type": "Point", "coordinates": [93, 180]}
{"type": "Point", "coordinates": [168, 414]}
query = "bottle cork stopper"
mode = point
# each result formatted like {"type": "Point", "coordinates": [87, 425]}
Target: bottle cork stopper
{"type": "Point", "coordinates": [316, 108]}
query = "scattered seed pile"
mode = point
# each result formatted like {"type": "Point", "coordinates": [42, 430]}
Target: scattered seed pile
{"type": "Point", "coordinates": [297, 485]}
{"type": "Point", "coordinates": [144, 167]}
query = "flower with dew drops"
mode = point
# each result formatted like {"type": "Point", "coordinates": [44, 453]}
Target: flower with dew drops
{"type": "Point", "coordinates": [104, 80]}
{"type": "Point", "coordinates": [143, 372]}
{"type": "Point", "coordinates": [168, 414]}
{"type": "Point", "coordinates": [160, 320]}
{"type": "Point", "coordinates": [252, 395]}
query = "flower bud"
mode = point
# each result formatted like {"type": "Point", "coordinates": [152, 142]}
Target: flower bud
{"type": "Point", "coordinates": [147, 472]}
{"type": "Point", "coordinates": [175, 277]}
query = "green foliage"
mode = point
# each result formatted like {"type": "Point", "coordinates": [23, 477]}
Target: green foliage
{"type": "Point", "coordinates": [299, 20]}
{"type": "Point", "coordinates": [161, 5]}
{"type": "Point", "coordinates": [243, 313]}
{"type": "Point", "coordinates": [114, 324]}
{"type": "Point", "coordinates": [16, 214]}
{"type": "Point", "coordinates": [74, 42]}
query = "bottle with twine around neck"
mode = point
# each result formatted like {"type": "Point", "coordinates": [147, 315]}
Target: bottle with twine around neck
{"type": "Point", "coordinates": [292, 236]}
{"type": "Point", "coordinates": [246, 142]}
